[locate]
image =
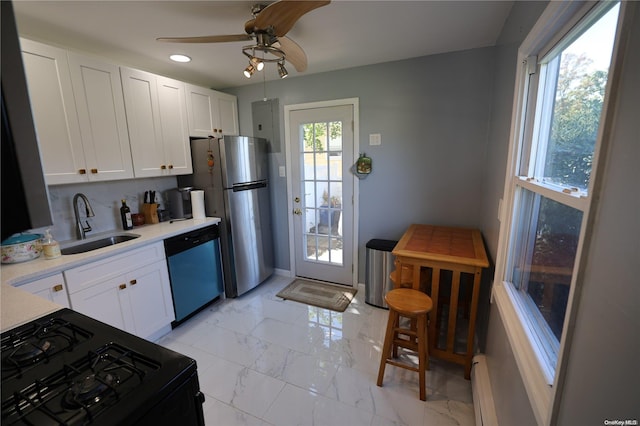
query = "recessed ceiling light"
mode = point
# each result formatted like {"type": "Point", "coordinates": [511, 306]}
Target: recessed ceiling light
{"type": "Point", "coordinates": [180, 58]}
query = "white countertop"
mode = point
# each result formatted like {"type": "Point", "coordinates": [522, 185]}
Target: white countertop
{"type": "Point", "coordinates": [19, 307]}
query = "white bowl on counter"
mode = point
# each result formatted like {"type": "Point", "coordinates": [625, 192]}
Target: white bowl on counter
{"type": "Point", "coordinates": [21, 248]}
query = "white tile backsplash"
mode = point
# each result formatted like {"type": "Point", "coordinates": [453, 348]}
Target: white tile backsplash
{"type": "Point", "coordinates": [105, 200]}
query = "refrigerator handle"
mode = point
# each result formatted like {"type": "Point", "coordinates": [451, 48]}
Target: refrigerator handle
{"type": "Point", "coordinates": [250, 185]}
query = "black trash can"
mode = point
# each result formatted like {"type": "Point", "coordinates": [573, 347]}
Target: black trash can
{"type": "Point", "coordinates": [379, 264]}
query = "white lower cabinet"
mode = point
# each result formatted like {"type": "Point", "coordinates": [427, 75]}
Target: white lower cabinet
{"type": "Point", "coordinates": [51, 288]}
{"type": "Point", "coordinates": [130, 291]}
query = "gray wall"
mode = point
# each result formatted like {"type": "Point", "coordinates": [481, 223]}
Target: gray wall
{"type": "Point", "coordinates": [510, 397]}
{"type": "Point", "coordinates": [433, 114]}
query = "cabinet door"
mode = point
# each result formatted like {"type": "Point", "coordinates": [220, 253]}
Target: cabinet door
{"type": "Point", "coordinates": [143, 121]}
{"type": "Point", "coordinates": [150, 299]}
{"type": "Point", "coordinates": [228, 110]}
{"type": "Point", "coordinates": [106, 302]}
{"type": "Point", "coordinates": [173, 122]}
{"type": "Point", "coordinates": [202, 111]}
{"type": "Point", "coordinates": [98, 96]}
{"type": "Point", "coordinates": [52, 288]}
{"type": "Point", "coordinates": [54, 112]}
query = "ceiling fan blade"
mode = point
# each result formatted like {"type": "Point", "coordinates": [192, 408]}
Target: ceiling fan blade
{"type": "Point", "coordinates": [207, 39]}
{"type": "Point", "coordinates": [293, 53]}
{"type": "Point", "coordinates": [282, 15]}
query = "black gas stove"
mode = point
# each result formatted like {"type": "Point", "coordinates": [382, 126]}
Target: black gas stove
{"type": "Point", "coordinates": [66, 368]}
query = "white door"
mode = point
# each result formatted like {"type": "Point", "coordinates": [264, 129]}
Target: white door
{"type": "Point", "coordinates": [322, 192]}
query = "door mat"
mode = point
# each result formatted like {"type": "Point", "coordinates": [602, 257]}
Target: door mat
{"type": "Point", "coordinates": [329, 296]}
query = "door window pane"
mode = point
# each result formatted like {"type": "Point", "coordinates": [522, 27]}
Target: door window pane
{"type": "Point", "coordinates": [322, 180]}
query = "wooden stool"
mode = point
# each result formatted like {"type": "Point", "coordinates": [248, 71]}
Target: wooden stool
{"type": "Point", "coordinates": [415, 305]}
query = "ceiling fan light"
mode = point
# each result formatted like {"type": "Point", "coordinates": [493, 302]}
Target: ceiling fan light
{"type": "Point", "coordinates": [248, 71]}
{"type": "Point", "coordinates": [257, 63]}
{"type": "Point", "coordinates": [282, 71]}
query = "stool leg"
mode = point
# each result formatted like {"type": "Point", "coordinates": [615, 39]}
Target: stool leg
{"type": "Point", "coordinates": [422, 340]}
{"type": "Point", "coordinates": [386, 347]}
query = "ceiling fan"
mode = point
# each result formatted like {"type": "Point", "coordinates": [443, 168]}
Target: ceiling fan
{"type": "Point", "coordinates": [268, 27]}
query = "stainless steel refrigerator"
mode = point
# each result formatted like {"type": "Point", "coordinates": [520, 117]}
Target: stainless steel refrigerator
{"type": "Point", "coordinates": [233, 172]}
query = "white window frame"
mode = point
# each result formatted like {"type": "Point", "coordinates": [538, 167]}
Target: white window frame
{"type": "Point", "coordinates": [542, 381]}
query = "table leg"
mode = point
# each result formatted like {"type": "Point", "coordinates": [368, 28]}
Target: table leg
{"type": "Point", "coordinates": [472, 322]}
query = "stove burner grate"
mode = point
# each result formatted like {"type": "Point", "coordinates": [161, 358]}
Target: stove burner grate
{"type": "Point", "coordinates": [80, 391]}
{"type": "Point", "coordinates": [25, 348]}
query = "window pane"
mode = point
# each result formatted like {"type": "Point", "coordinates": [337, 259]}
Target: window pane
{"type": "Point", "coordinates": [335, 136]}
{"type": "Point", "coordinates": [576, 78]}
{"type": "Point", "coordinates": [544, 254]}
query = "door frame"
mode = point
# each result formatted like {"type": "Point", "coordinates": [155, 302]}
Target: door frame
{"type": "Point", "coordinates": [354, 103]}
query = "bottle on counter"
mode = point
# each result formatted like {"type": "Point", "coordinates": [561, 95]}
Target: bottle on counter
{"type": "Point", "coordinates": [50, 247]}
{"type": "Point", "coordinates": [125, 214]}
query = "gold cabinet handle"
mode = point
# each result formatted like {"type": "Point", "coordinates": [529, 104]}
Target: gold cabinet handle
{"type": "Point", "coordinates": [170, 166]}
{"type": "Point", "coordinates": [163, 167]}
{"type": "Point", "coordinates": [122, 286]}
{"type": "Point", "coordinates": [82, 171]}
{"type": "Point", "coordinates": [133, 282]}
{"type": "Point", "coordinates": [94, 171]}
{"type": "Point", "coordinates": [58, 287]}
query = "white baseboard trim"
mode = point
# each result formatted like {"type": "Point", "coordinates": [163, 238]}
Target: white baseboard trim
{"type": "Point", "coordinates": [282, 272]}
{"type": "Point", "coordinates": [483, 404]}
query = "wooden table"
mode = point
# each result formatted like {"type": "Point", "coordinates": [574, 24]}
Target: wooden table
{"type": "Point", "coordinates": [459, 250]}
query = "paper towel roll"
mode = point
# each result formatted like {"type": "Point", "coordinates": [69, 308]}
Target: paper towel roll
{"type": "Point", "coordinates": [197, 204]}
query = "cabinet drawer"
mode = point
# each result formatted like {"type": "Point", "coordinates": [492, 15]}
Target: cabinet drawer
{"type": "Point", "coordinates": [93, 273]}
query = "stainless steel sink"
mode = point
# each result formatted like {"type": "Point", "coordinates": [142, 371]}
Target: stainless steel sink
{"type": "Point", "coordinates": [84, 247]}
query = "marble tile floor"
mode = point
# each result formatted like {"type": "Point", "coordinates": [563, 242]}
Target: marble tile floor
{"type": "Point", "coordinates": [266, 361]}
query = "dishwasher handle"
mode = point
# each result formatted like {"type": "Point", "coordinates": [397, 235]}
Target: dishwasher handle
{"type": "Point", "coordinates": [189, 240]}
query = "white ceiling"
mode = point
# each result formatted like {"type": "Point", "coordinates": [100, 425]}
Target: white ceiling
{"type": "Point", "coordinates": [343, 34]}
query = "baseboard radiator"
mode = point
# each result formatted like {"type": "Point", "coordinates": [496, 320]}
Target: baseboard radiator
{"type": "Point", "coordinates": [483, 405]}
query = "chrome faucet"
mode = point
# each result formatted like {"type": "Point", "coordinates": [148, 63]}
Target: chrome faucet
{"type": "Point", "coordinates": [81, 229]}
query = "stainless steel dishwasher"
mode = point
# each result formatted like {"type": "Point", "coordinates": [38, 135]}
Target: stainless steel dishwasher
{"type": "Point", "coordinates": [195, 270]}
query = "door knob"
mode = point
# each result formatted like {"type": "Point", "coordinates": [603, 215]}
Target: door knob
{"type": "Point", "coordinates": [297, 199]}
{"type": "Point", "coordinates": [297, 211]}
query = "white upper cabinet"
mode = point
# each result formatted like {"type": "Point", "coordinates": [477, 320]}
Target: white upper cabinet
{"type": "Point", "coordinates": [175, 129]}
{"type": "Point", "coordinates": [54, 112]}
{"type": "Point", "coordinates": [103, 125]}
{"type": "Point", "coordinates": [157, 121]}
{"type": "Point", "coordinates": [79, 115]}
{"type": "Point", "coordinates": [228, 109]}
{"type": "Point", "coordinates": [211, 113]}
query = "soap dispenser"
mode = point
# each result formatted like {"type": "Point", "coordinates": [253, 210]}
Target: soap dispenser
{"type": "Point", "coordinates": [50, 247]}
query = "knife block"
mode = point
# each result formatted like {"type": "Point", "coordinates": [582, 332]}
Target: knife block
{"type": "Point", "coordinates": [150, 212]}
